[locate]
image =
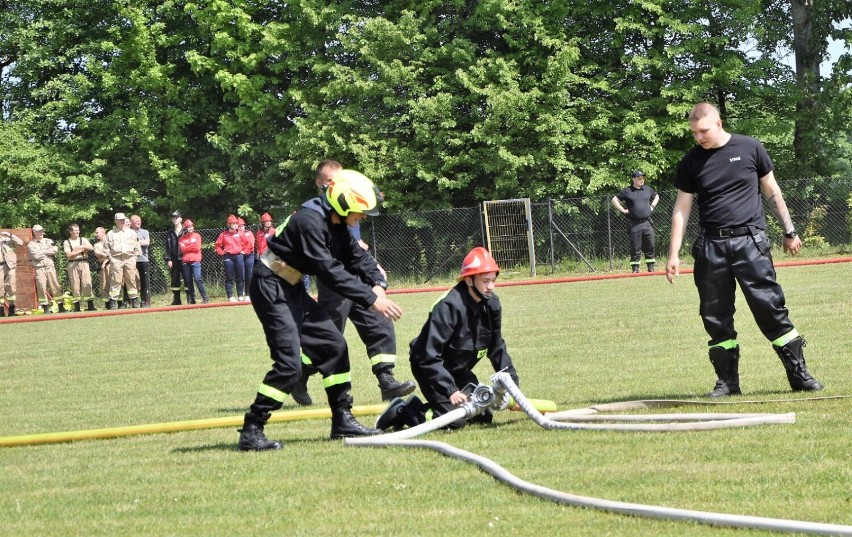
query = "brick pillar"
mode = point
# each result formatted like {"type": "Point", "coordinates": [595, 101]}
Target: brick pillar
{"type": "Point", "coordinates": [25, 293]}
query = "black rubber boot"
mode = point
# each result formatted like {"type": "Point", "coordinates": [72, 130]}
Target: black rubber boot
{"type": "Point", "coordinates": [11, 310]}
{"type": "Point", "coordinates": [134, 302]}
{"type": "Point", "coordinates": [176, 300]}
{"type": "Point", "coordinates": [62, 308]}
{"type": "Point", "coordinates": [650, 267]}
{"type": "Point", "coordinates": [3, 311]}
{"type": "Point", "coordinates": [45, 308]}
{"type": "Point", "coordinates": [726, 363]}
{"type": "Point", "coordinates": [110, 305]}
{"type": "Point", "coordinates": [299, 393]}
{"type": "Point", "coordinates": [344, 424]}
{"type": "Point", "coordinates": [252, 437]}
{"type": "Point", "coordinates": [391, 388]}
{"type": "Point", "coordinates": [77, 307]}
{"type": "Point", "coordinates": [635, 269]}
{"type": "Point", "coordinates": [793, 358]}
{"type": "Point", "coordinates": [91, 306]}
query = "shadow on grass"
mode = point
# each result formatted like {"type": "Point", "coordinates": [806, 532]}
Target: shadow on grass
{"type": "Point", "coordinates": [699, 398]}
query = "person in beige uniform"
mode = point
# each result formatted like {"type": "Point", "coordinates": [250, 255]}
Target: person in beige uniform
{"type": "Point", "coordinates": [8, 262]}
{"type": "Point", "coordinates": [102, 255]}
{"type": "Point", "coordinates": [123, 248]}
{"type": "Point", "coordinates": [77, 250]}
{"type": "Point", "coordinates": [40, 252]}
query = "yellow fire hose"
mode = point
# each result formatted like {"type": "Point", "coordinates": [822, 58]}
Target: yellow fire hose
{"type": "Point", "coordinates": [210, 423]}
{"type": "Point", "coordinates": [173, 426]}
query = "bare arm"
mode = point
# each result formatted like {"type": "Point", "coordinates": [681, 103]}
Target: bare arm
{"type": "Point", "coordinates": [655, 201]}
{"type": "Point", "coordinates": [775, 199]}
{"type": "Point", "coordinates": [680, 217]}
{"type": "Point", "coordinates": [617, 204]}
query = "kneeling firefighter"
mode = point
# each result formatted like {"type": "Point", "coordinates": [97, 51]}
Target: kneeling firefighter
{"type": "Point", "coordinates": [463, 327]}
{"type": "Point", "coordinates": [314, 241]}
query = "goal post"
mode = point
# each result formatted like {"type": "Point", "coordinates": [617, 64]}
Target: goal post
{"type": "Point", "coordinates": [509, 233]}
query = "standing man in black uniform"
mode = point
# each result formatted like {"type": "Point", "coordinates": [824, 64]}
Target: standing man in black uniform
{"type": "Point", "coordinates": [376, 331]}
{"type": "Point", "coordinates": [464, 326]}
{"type": "Point", "coordinates": [314, 240]}
{"type": "Point", "coordinates": [173, 256]}
{"type": "Point", "coordinates": [727, 172]}
{"type": "Point", "coordinates": [641, 201]}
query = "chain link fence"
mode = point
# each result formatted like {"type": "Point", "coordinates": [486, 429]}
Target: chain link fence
{"type": "Point", "coordinates": [569, 235]}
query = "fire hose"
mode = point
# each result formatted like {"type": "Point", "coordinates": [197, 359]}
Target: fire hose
{"type": "Point", "coordinates": [496, 398]}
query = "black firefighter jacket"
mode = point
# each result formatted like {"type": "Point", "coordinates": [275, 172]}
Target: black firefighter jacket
{"type": "Point", "coordinates": [458, 333]}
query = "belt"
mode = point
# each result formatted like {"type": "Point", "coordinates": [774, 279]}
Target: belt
{"type": "Point", "coordinates": [280, 268]}
{"type": "Point", "coordinates": [721, 233]}
{"type": "Point", "coordinates": [77, 260]}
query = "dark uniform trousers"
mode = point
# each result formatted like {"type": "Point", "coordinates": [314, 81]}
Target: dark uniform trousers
{"type": "Point", "coordinates": [440, 404]}
{"type": "Point", "coordinates": [293, 321]}
{"type": "Point", "coordinates": [641, 241]}
{"type": "Point", "coordinates": [721, 263]}
{"type": "Point", "coordinates": [376, 331]}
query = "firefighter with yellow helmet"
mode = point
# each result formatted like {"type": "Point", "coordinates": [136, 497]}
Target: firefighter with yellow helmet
{"type": "Point", "coordinates": [314, 240]}
{"type": "Point", "coordinates": [463, 327]}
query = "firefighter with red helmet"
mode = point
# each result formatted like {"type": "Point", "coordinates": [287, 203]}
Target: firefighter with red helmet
{"type": "Point", "coordinates": [463, 327]}
{"type": "Point", "coordinates": [314, 240]}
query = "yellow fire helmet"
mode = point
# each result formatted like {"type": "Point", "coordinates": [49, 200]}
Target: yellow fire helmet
{"type": "Point", "coordinates": [352, 192]}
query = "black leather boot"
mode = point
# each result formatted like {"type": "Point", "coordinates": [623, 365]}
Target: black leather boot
{"type": "Point", "coordinates": [62, 308]}
{"type": "Point", "coordinates": [400, 414]}
{"type": "Point", "coordinates": [299, 393]}
{"type": "Point", "coordinates": [344, 424]}
{"type": "Point", "coordinates": [635, 269]}
{"type": "Point", "coordinates": [793, 358]}
{"type": "Point", "coordinates": [726, 364]}
{"type": "Point", "coordinates": [91, 306]}
{"type": "Point", "coordinates": [650, 267]}
{"type": "Point", "coordinates": [391, 388]}
{"type": "Point", "coordinates": [11, 310]}
{"type": "Point", "coordinates": [77, 307]}
{"type": "Point", "coordinates": [252, 437]}
{"type": "Point", "coordinates": [176, 299]}
{"type": "Point", "coordinates": [45, 308]}
{"type": "Point", "coordinates": [110, 305]}
{"type": "Point", "coordinates": [134, 302]}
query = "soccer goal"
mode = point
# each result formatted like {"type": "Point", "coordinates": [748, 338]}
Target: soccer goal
{"type": "Point", "coordinates": [509, 233]}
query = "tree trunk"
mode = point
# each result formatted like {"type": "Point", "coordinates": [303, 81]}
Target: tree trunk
{"type": "Point", "coordinates": [807, 54]}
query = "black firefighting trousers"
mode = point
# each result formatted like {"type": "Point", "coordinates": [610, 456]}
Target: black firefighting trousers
{"type": "Point", "coordinates": [721, 263]}
{"type": "Point", "coordinates": [641, 241]}
{"type": "Point", "coordinates": [293, 321]}
{"type": "Point", "coordinates": [376, 331]}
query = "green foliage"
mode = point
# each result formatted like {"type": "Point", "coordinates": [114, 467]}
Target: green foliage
{"type": "Point", "coordinates": [226, 106]}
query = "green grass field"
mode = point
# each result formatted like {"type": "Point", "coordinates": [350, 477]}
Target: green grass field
{"type": "Point", "coordinates": [577, 344]}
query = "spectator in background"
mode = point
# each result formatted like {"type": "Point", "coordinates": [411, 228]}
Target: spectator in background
{"type": "Point", "coordinates": [266, 232]}
{"type": "Point", "coordinates": [102, 255]}
{"type": "Point", "coordinates": [41, 252]}
{"type": "Point", "coordinates": [77, 250]}
{"type": "Point", "coordinates": [641, 201]}
{"type": "Point", "coordinates": [248, 255]}
{"type": "Point", "coordinates": [229, 246]}
{"type": "Point", "coordinates": [172, 257]}
{"type": "Point", "coordinates": [123, 248]}
{"type": "Point", "coordinates": [142, 262]}
{"type": "Point", "coordinates": [8, 265]}
{"type": "Point", "coordinates": [190, 248]}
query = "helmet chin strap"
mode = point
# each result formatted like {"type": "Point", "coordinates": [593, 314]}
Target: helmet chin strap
{"type": "Point", "coordinates": [476, 291]}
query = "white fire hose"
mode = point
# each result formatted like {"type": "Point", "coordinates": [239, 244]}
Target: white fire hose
{"type": "Point", "coordinates": [496, 398]}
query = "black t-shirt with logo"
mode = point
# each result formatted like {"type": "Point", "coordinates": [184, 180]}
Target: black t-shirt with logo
{"type": "Point", "coordinates": [726, 181]}
{"type": "Point", "coordinates": [638, 201]}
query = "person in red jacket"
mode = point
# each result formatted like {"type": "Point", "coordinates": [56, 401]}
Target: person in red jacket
{"type": "Point", "coordinates": [190, 247]}
{"type": "Point", "coordinates": [248, 255]}
{"type": "Point", "coordinates": [266, 232]}
{"type": "Point", "coordinates": [229, 246]}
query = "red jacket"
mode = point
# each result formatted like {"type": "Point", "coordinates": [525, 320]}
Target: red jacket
{"type": "Point", "coordinates": [190, 247]}
{"type": "Point", "coordinates": [229, 242]}
{"type": "Point", "coordinates": [262, 236]}
{"type": "Point", "coordinates": [248, 242]}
